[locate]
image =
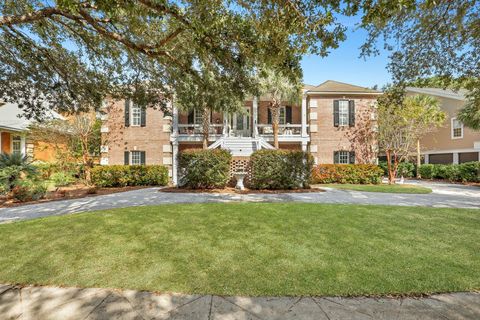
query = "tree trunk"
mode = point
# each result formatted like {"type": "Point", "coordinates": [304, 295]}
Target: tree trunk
{"type": "Point", "coordinates": [391, 169]}
{"type": "Point", "coordinates": [86, 162]}
{"type": "Point", "coordinates": [418, 159]}
{"type": "Point", "coordinates": [205, 126]}
{"type": "Point", "coordinates": [275, 122]}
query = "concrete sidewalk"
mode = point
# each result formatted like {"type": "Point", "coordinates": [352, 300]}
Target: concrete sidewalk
{"type": "Point", "coordinates": [72, 303]}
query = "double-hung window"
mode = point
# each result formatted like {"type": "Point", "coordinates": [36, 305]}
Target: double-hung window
{"type": "Point", "coordinates": [457, 129]}
{"type": "Point", "coordinates": [344, 157]}
{"type": "Point", "coordinates": [282, 116]}
{"type": "Point", "coordinates": [135, 158]}
{"type": "Point", "coordinates": [16, 145]}
{"type": "Point", "coordinates": [197, 116]}
{"type": "Point", "coordinates": [136, 115]}
{"type": "Point", "coordinates": [343, 113]}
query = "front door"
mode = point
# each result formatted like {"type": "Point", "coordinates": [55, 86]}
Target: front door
{"type": "Point", "coordinates": [240, 124]}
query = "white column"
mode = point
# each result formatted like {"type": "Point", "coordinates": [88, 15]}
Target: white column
{"type": "Point", "coordinates": [225, 124]}
{"type": "Point", "coordinates": [455, 158]}
{"type": "Point", "coordinates": [426, 158]}
{"type": "Point", "coordinates": [174, 163]}
{"type": "Point", "coordinates": [255, 116]}
{"type": "Point", "coordinates": [23, 146]}
{"type": "Point", "coordinates": [175, 119]}
{"type": "Point", "coordinates": [304, 145]}
{"type": "Point", "coordinates": [304, 116]}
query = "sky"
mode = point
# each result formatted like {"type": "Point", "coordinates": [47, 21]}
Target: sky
{"type": "Point", "coordinates": [343, 64]}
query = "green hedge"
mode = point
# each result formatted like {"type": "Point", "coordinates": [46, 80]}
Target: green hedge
{"type": "Point", "coordinates": [405, 169]}
{"type": "Point", "coordinates": [280, 169]}
{"type": "Point", "coordinates": [347, 173]}
{"type": "Point", "coordinates": [204, 169]}
{"type": "Point", "coordinates": [465, 172]}
{"type": "Point", "coordinates": [125, 175]}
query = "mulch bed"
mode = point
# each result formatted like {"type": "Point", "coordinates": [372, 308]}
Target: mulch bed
{"type": "Point", "coordinates": [70, 192]}
{"type": "Point", "coordinates": [230, 190]}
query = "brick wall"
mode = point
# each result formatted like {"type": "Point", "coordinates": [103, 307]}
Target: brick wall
{"type": "Point", "coordinates": [154, 138]}
{"type": "Point", "coordinates": [325, 138]}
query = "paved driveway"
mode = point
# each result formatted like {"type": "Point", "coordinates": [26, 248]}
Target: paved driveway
{"type": "Point", "coordinates": [443, 195]}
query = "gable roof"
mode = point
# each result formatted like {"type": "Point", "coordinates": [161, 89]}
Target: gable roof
{"type": "Point", "coordinates": [445, 93]}
{"type": "Point", "coordinates": [11, 117]}
{"type": "Point", "coordinates": [335, 87]}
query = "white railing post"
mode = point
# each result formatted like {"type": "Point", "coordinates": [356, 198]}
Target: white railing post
{"type": "Point", "coordinates": [304, 116]}
{"type": "Point", "coordinates": [175, 119]}
{"type": "Point", "coordinates": [255, 116]}
{"type": "Point", "coordinates": [225, 124]}
{"type": "Point", "coordinates": [174, 163]}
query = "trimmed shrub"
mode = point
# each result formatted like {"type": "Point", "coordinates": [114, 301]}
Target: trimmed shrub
{"type": "Point", "coordinates": [426, 171]}
{"type": "Point", "coordinates": [125, 175]}
{"type": "Point", "coordinates": [27, 190]}
{"type": "Point", "coordinates": [405, 169]}
{"type": "Point", "coordinates": [204, 169]}
{"type": "Point", "coordinates": [61, 179]}
{"type": "Point", "coordinates": [348, 173]}
{"type": "Point", "coordinates": [280, 169]}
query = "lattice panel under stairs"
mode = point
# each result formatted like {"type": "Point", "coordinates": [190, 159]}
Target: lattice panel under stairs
{"type": "Point", "coordinates": [240, 165]}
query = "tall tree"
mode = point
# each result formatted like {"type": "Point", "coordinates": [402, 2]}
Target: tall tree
{"type": "Point", "coordinates": [213, 93]}
{"type": "Point", "coordinates": [402, 121]}
{"type": "Point", "coordinates": [278, 89]}
{"type": "Point", "coordinates": [429, 38]}
{"type": "Point", "coordinates": [73, 52]}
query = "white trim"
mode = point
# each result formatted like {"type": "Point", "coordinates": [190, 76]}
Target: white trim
{"type": "Point", "coordinates": [132, 106]}
{"type": "Point", "coordinates": [453, 95]}
{"type": "Point", "coordinates": [343, 93]}
{"type": "Point", "coordinates": [451, 129]}
{"type": "Point", "coordinates": [450, 151]}
{"type": "Point", "coordinates": [304, 116]}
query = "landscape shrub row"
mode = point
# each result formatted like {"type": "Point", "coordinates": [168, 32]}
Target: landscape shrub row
{"type": "Point", "coordinates": [347, 173]}
{"type": "Point", "coordinates": [206, 169]}
{"type": "Point", "coordinates": [125, 175]}
{"type": "Point", "coordinates": [405, 169]}
{"type": "Point", "coordinates": [465, 172]}
{"type": "Point", "coordinates": [280, 169]}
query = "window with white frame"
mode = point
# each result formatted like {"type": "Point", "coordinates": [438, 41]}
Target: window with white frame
{"type": "Point", "coordinates": [197, 117]}
{"type": "Point", "coordinates": [136, 115]}
{"type": "Point", "coordinates": [343, 112]}
{"type": "Point", "coordinates": [283, 116]}
{"type": "Point", "coordinates": [16, 145]}
{"type": "Point", "coordinates": [343, 157]}
{"type": "Point", "coordinates": [135, 158]}
{"type": "Point", "coordinates": [457, 129]}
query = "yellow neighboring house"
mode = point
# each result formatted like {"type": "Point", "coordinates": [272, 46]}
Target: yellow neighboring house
{"type": "Point", "coordinates": [452, 143]}
{"type": "Point", "coordinates": [14, 134]}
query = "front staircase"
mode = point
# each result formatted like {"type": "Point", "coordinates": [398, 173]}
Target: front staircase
{"type": "Point", "coordinates": [241, 146]}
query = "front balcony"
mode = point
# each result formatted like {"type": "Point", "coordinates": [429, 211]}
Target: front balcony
{"type": "Point", "coordinates": [250, 123]}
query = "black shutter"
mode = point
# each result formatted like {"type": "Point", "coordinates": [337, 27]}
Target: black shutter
{"type": "Point", "coordinates": [143, 117]}
{"type": "Point", "coordinates": [142, 157]}
{"type": "Point", "coordinates": [127, 113]}
{"type": "Point", "coordinates": [190, 117]}
{"type": "Point", "coordinates": [126, 158]}
{"type": "Point", "coordinates": [336, 157]}
{"type": "Point", "coordinates": [288, 114]}
{"type": "Point", "coordinates": [351, 113]}
{"type": "Point", "coordinates": [336, 115]}
{"type": "Point", "coordinates": [269, 120]}
{"type": "Point", "coordinates": [351, 154]}
{"type": "Point", "coordinates": [211, 116]}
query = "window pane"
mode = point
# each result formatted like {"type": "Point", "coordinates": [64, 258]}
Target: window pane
{"type": "Point", "coordinates": [343, 157]}
{"type": "Point", "coordinates": [16, 145]}
{"type": "Point", "coordinates": [282, 115]}
{"type": "Point", "coordinates": [343, 112]}
{"type": "Point", "coordinates": [136, 114]}
{"type": "Point", "coordinates": [457, 128]}
{"type": "Point", "coordinates": [135, 155]}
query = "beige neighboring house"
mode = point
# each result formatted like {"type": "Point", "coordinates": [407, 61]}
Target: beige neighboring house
{"type": "Point", "coordinates": [334, 121]}
{"type": "Point", "coordinates": [452, 143]}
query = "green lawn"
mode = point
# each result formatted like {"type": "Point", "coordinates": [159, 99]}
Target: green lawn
{"type": "Point", "coordinates": [394, 188]}
{"type": "Point", "coordinates": [250, 249]}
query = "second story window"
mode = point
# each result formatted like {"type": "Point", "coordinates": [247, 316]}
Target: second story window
{"type": "Point", "coordinates": [343, 113]}
{"type": "Point", "coordinates": [136, 115]}
{"type": "Point", "coordinates": [457, 129]}
{"type": "Point", "coordinates": [198, 117]}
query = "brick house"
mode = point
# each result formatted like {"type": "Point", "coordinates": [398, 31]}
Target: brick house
{"type": "Point", "coordinates": [334, 121]}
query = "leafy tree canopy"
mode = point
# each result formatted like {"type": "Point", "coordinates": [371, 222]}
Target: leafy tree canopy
{"type": "Point", "coordinates": [70, 52]}
{"type": "Point", "coordinates": [429, 38]}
